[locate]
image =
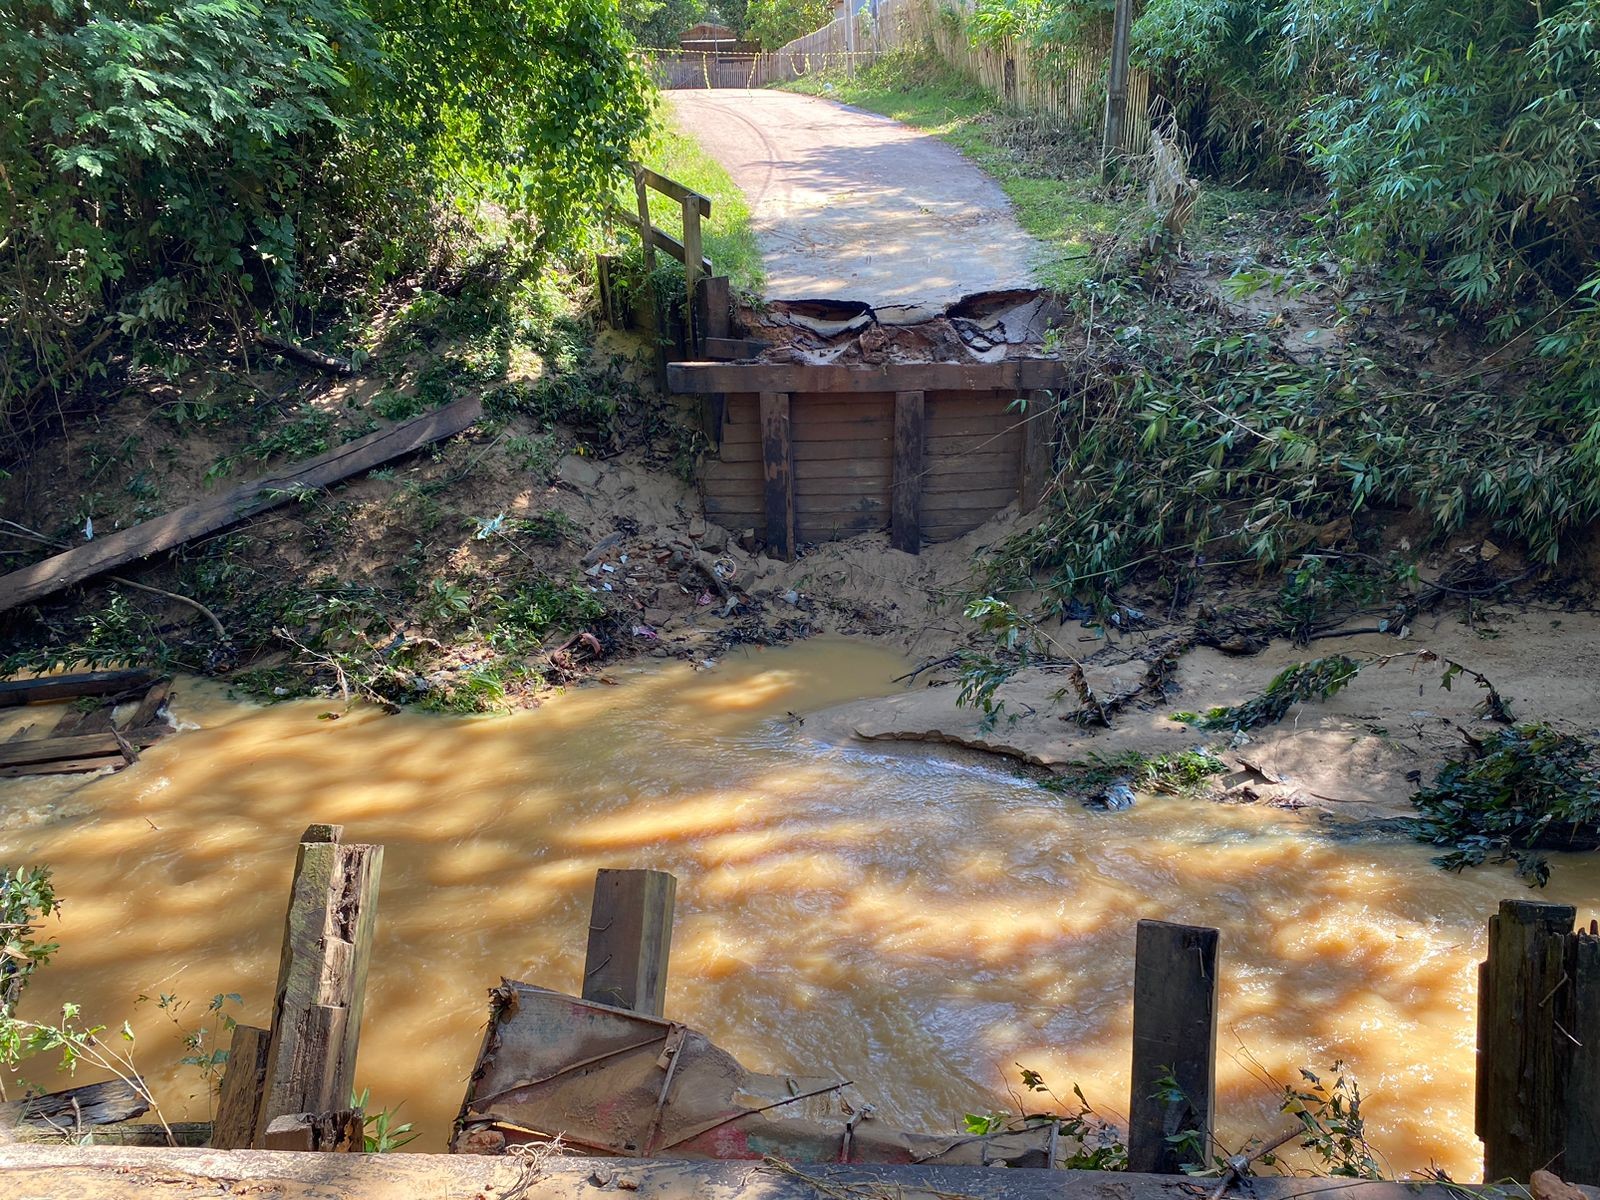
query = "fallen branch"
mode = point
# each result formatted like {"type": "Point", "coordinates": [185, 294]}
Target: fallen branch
{"type": "Point", "coordinates": [305, 354]}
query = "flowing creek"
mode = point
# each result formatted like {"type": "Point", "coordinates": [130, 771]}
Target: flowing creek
{"type": "Point", "coordinates": [919, 923]}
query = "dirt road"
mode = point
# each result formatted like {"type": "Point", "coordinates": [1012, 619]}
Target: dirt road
{"type": "Point", "coordinates": [853, 206]}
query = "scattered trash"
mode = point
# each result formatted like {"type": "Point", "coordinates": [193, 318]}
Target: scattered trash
{"type": "Point", "coordinates": [792, 597]}
{"type": "Point", "coordinates": [703, 599]}
{"type": "Point", "coordinates": [644, 631]}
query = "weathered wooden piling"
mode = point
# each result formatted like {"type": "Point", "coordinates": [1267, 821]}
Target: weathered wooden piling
{"type": "Point", "coordinates": [630, 940]}
{"type": "Point", "coordinates": [1538, 1086]}
{"type": "Point", "coordinates": [244, 1082]}
{"type": "Point", "coordinates": [1174, 1043]}
{"type": "Point", "coordinates": [322, 979]}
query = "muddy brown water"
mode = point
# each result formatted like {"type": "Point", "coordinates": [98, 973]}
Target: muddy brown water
{"type": "Point", "coordinates": [917, 924]}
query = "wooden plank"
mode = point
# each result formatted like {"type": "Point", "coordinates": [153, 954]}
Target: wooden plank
{"type": "Point", "coordinates": [337, 1131]}
{"type": "Point", "coordinates": [699, 378]}
{"type": "Point", "coordinates": [244, 1082]}
{"type": "Point", "coordinates": [92, 1104]}
{"type": "Point", "coordinates": [1038, 449]}
{"type": "Point", "coordinates": [216, 512]}
{"type": "Point", "coordinates": [630, 940]}
{"type": "Point", "coordinates": [676, 190]}
{"type": "Point", "coordinates": [877, 469]}
{"type": "Point", "coordinates": [1174, 1036]}
{"type": "Point", "coordinates": [67, 766]}
{"type": "Point", "coordinates": [78, 721]}
{"type": "Point", "coordinates": [47, 688]}
{"type": "Point", "coordinates": [144, 1173]}
{"type": "Point", "coordinates": [732, 349]}
{"type": "Point", "coordinates": [955, 478]}
{"type": "Point", "coordinates": [659, 239]}
{"type": "Point", "coordinates": [778, 469]}
{"type": "Point", "coordinates": [88, 745]}
{"type": "Point", "coordinates": [979, 428]}
{"type": "Point", "coordinates": [1521, 1072]}
{"type": "Point", "coordinates": [716, 303]}
{"type": "Point", "coordinates": [840, 488]}
{"type": "Point", "coordinates": [327, 944]}
{"type": "Point", "coordinates": [954, 499]}
{"type": "Point", "coordinates": [810, 451]}
{"type": "Point", "coordinates": [945, 446]}
{"type": "Point", "coordinates": [905, 524]}
{"type": "Point", "coordinates": [694, 269]}
{"type": "Point", "coordinates": [1582, 1105]}
{"type": "Point", "coordinates": [150, 708]}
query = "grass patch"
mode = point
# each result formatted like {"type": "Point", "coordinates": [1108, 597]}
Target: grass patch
{"type": "Point", "coordinates": [1049, 172]}
{"type": "Point", "coordinates": [729, 241]}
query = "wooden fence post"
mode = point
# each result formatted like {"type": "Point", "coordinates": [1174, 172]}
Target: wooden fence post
{"type": "Point", "coordinates": [1523, 1051]}
{"type": "Point", "coordinates": [777, 463]}
{"type": "Point", "coordinates": [1174, 1035]}
{"type": "Point", "coordinates": [244, 1082]}
{"type": "Point", "coordinates": [322, 978]}
{"type": "Point", "coordinates": [630, 940]}
{"type": "Point", "coordinates": [905, 528]}
{"type": "Point", "coordinates": [1038, 448]}
{"type": "Point", "coordinates": [1116, 87]}
{"type": "Point", "coordinates": [693, 256]}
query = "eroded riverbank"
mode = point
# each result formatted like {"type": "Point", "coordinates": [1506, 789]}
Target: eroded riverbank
{"type": "Point", "coordinates": [916, 923]}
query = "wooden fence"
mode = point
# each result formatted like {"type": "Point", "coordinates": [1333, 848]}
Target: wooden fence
{"type": "Point", "coordinates": [1068, 84]}
{"type": "Point", "coordinates": [825, 49]}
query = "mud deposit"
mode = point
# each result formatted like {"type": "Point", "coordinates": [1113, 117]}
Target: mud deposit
{"type": "Point", "coordinates": [917, 922]}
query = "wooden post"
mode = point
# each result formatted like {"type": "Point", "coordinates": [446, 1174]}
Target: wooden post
{"type": "Point", "coordinates": [716, 315]}
{"type": "Point", "coordinates": [343, 1129]}
{"type": "Point", "coordinates": [777, 461]}
{"type": "Point", "coordinates": [657, 317]}
{"type": "Point", "coordinates": [1583, 1083]}
{"type": "Point", "coordinates": [1116, 87]}
{"type": "Point", "coordinates": [1038, 449]}
{"type": "Point", "coordinates": [1523, 989]}
{"type": "Point", "coordinates": [905, 528]}
{"type": "Point", "coordinates": [692, 255]}
{"type": "Point", "coordinates": [244, 1082]}
{"type": "Point", "coordinates": [630, 940]}
{"type": "Point", "coordinates": [1174, 1035]}
{"type": "Point", "coordinates": [322, 977]}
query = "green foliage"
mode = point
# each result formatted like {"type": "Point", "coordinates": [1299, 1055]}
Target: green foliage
{"type": "Point", "coordinates": [383, 1134]}
{"type": "Point", "coordinates": [1525, 788]}
{"type": "Point", "coordinates": [1335, 1131]}
{"type": "Point", "coordinates": [1096, 1144]}
{"type": "Point", "coordinates": [1180, 774]}
{"type": "Point", "coordinates": [776, 22]}
{"type": "Point", "coordinates": [1319, 679]}
{"type": "Point", "coordinates": [27, 897]}
{"type": "Point", "coordinates": [172, 162]}
{"type": "Point", "coordinates": [657, 24]}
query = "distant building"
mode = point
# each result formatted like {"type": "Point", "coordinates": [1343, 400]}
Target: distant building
{"type": "Point", "coordinates": [706, 38]}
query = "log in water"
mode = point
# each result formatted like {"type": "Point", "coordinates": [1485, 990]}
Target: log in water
{"type": "Point", "coordinates": [917, 924]}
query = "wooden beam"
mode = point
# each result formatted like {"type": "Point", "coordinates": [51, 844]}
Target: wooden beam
{"type": "Point", "coordinates": [341, 1130]}
{"type": "Point", "coordinates": [92, 1104]}
{"type": "Point", "coordinates": [88, 745]}
{"type": "Point", "coordinates": [716, 303]}
{"type": "Point", "coordinates": [1023, 374]}
{"type": "Point", "coordinates": [244, 1082]}
{"type": "Point", "coordinates": [726, 349]}
{"type": "Point", "coordinates": [676, 190]}
{"type": "Point", "coordinates": [659, 240]}
{"type": "Point", "coordinates": [905, 526]}
{"type": "Point", "coordinates": [1174, 1037]}
{"type": "Point", "coordinates": [246, 499]}
{"type": "Point", "coordinates": [322, 977]}
{"type": "Point", "coordinates": [1038, 448]}
{"type": "Point", "coordinates": [17, 692]}
{"type": "Point", "coordinates": [777, 467]}
{"type": "Point", "coordinates": [630, 940]}
{"type": "Point", "coordinates": [1521, 1057]}
{"type": "Point", "coordinates": [693, 261]}
{"type": "Point", "coordinates": [1116, 86]}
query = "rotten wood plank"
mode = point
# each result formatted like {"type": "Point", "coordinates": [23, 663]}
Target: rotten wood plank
{"type": "Point", "coordinates": [1174, 1035]}
{"type": "Point", "coordinates": [66, 766]}
{"type": "Point", "coordinates": [778, 471]}
{"type": "Point", "coordinates": [699, 378]}
{"type": "Point", "coordinates": [91, 1104]}
{"type": "Point", "coordinates": [322, 973]}
{"type": "Point", "coordinates": [244, 1082]}
{"type": "Point", "coordinates": [1582, 1010]}
{"type": "Point", "coordinates": [216, 512]}
{"type": "Point", "coordinates": [337, 1131]}
{"type": "Point", "coordinates": [47, 688]}
{"type": "Point", "coordinates": [1521, 1057]}
{"type": "Point", "coordinates": [89, 745]}
{"type": "Point", "coordinates": [630, 940]}
{"type": "Point", "coordinates": [906, 493]}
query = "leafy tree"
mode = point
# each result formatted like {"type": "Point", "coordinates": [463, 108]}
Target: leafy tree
{"type": "Point", "coordinates": [776, 22]}
{"type": "Point", "coordinates": [660, 23]}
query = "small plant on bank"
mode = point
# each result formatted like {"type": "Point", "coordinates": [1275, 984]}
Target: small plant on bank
{"type": "Point", "coordinates": [382, 1134]}
{"type": "Point", "coordinates": [1525, 788]}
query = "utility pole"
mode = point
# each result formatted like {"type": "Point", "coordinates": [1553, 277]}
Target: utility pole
{"type": "Point", "coordinates": [1117, 87]}
{"type": "Point", "coordinates": [850, 38]}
